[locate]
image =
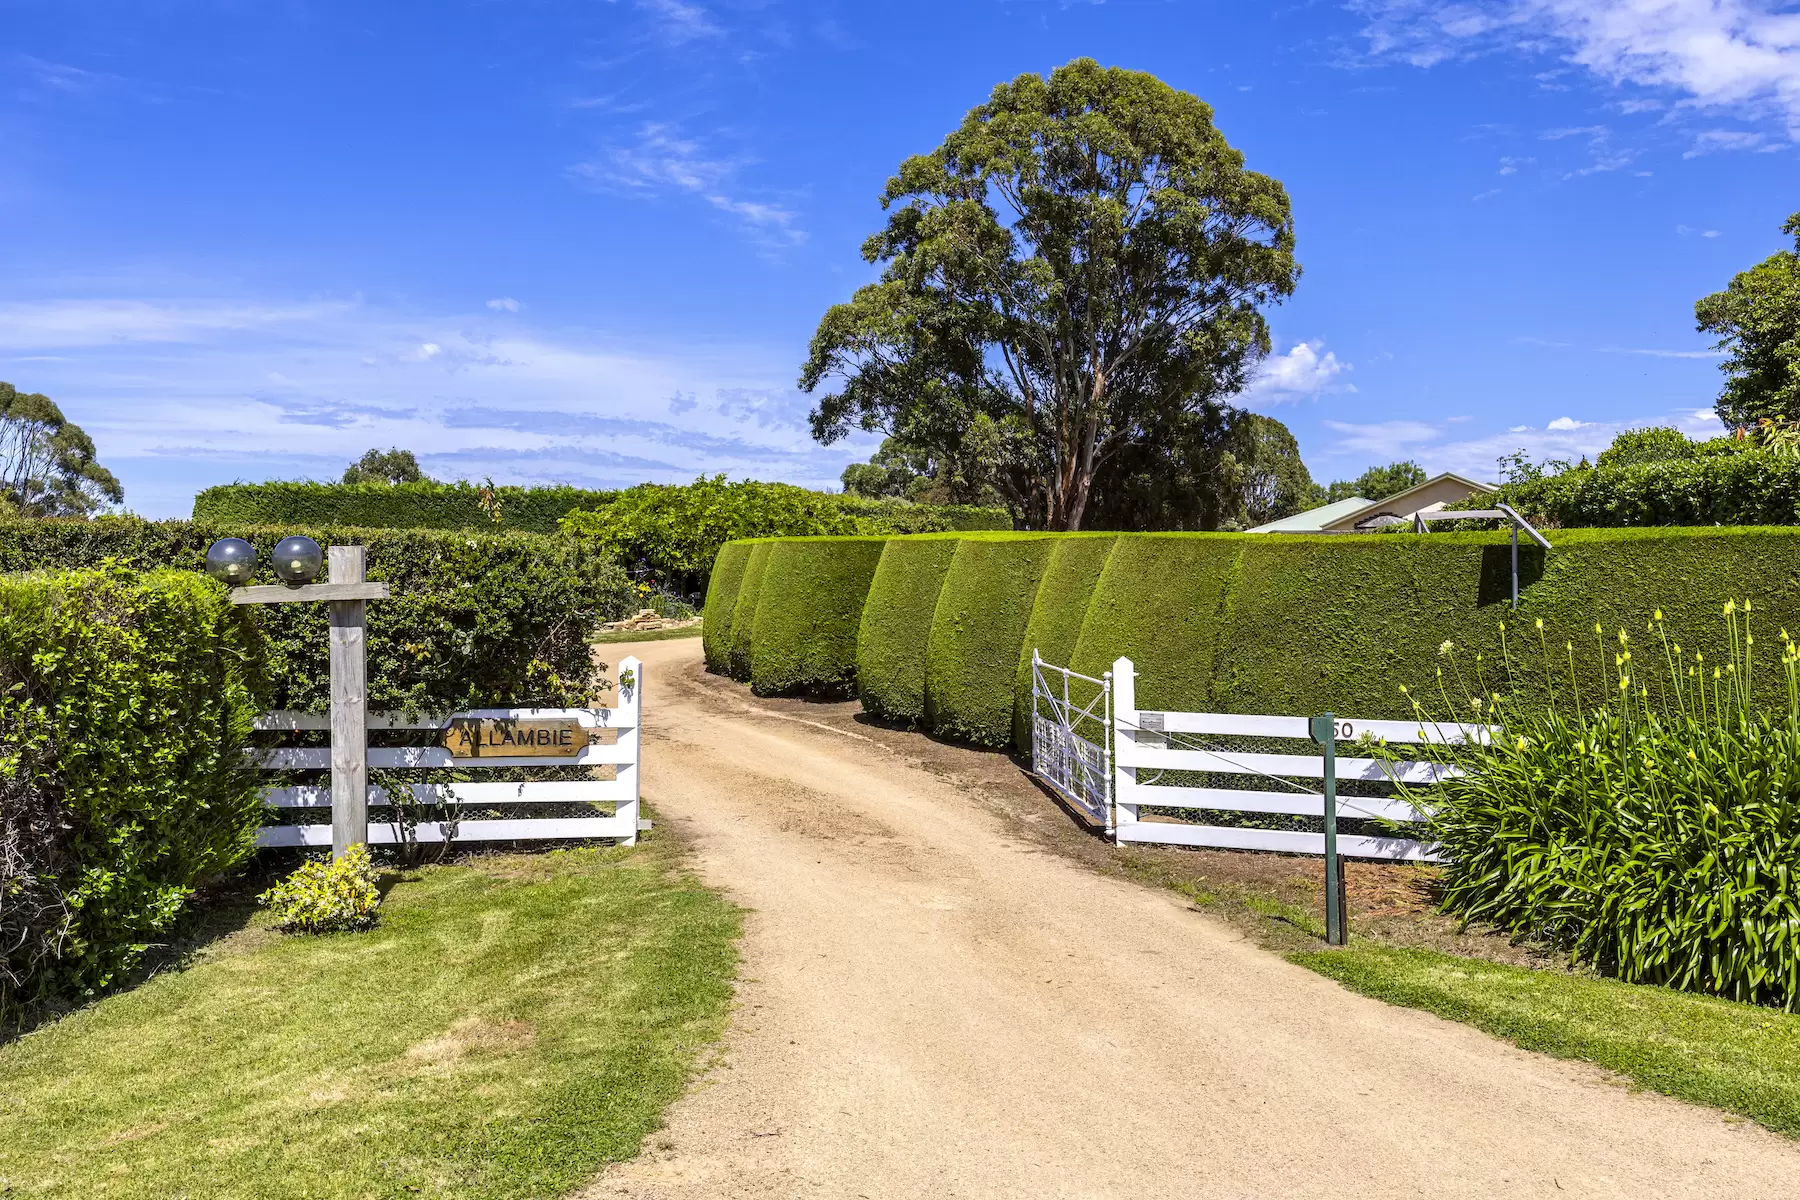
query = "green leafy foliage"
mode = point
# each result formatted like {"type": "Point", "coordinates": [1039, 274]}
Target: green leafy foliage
{"type": "Point", "coordinates": [1727, 485]}
{"type": "Point", "coordinates": [1079, 268]}
{"type": "Point", "coordinates": [389, 466]}
{"type": "Point", "coordinates": [1647, 823]}
{"type": "Point", "coordinates": [1376, 483]}
{"type": "Point", "coordinates": [808, 613]}
{"type": "Point", "coordinates": [721, 601]}
{"type": "Point", "coordinates": [675, 532]}
{"type": "Point", "coordinates": [326, 896]}
{"type": "Point", "coordinates": [1057, 612]}
{"type": "Point", "coordinates": [1216, 468]}
{"type": "Point", "coordinates": [476, 619]}
{"type": "Point", "coordinates": [1757, 320]}
{"type": "Point", "coordinates": [379, 505]}
{"type": "Point", "coordinates": [1658, 443]}
{"type": "Point", "coordinates": [47, 464]}
{"type": "Point", "coordinates": [743, 610]}
{"type": "Point", "coordinates": [976, 635]}
{"type": "Point", "coordinates": [1302, 625]}
{"type": "Point", "coordinates": [126, 702]}
{"type": "Point", "coordinates": [893, 642]}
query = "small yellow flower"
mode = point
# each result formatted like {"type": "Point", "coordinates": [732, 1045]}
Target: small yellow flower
{"type": "Point", "coordinates": [1540, 624]}
{"type": "Point", "coordinates": [1658, 616]}
{"type": "Point", "coordinates": [1522, 742]}
{"type": "Point", "coordinates": [1730, 607]}
{"type": "Point", "coordinates": [1746, 604]}
{"type": "Point", "coordinates": [1446, 647]}
{"type": "Point", "coordinates": [1597, 628]}
{"type": "Point", "coordinates": [1691, 757]}
{"type": "Point", "coordinates": [1625, 684]}
{"type": "Point", "coordinates": [1622, 638]}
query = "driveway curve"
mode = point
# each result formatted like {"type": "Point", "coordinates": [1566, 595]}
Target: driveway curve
{"type": "Point", "coordinates": [933, 1006]}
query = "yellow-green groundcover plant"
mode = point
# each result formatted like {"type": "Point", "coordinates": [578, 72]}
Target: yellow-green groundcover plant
{"type": "Point", "coordinates": [322, 896]}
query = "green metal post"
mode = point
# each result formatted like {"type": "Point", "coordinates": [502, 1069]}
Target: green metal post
{"type": "Point", "coordinates": [1324, 731]}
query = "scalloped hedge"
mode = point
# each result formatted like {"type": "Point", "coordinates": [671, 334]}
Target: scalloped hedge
{"type": "Point", "coordinates": [721, 603]}
{"type": "Point", "coordinates": [1057, 613]}
{"type": "Point", "coordinates": [895, 636]}
{"type": "Point", "coordinates": [977, 633]}
{"type": "Point", "coordinates": [808, 614]}
{"type": "Point", "coordinates": [743, 610]}
{"type": "Point", "coordinates": [1285, 624]}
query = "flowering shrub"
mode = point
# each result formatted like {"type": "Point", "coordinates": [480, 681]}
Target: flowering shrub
{"type": "Point", "coordinates": [324, 897]}
{"type": "Point", "coordinates": [1645, 816]}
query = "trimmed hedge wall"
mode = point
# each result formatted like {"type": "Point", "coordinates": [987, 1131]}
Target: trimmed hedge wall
{"type": "Point", "coordinates": [1719, 486]}
{"type": "Point", "coordinates": [721, 600]}
{"type": "Point", "coordinates": [427, 505]}
{"type": "Point", "coordinates": [1292, 624]}
{"type": "Point", "coordinates": [1070, 578]}
{"type": "Point", "coordinates": [743, 612]}
{"type": "Point", "coordinates": [808, 611]}
{"type": "Point", "coordinates": [893, 642]}
{"type": "Point", "coordinates": [126, 703]}
{"type": "Point", "coordinates": [477, 619]}
{"type": "Point", "coordinates": [977, 633]}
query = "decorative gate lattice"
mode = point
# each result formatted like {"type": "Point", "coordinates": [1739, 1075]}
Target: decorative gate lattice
{"type": "Point", "coordinates": [1071, 725]}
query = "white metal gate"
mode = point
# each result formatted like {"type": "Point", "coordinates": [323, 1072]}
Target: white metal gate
{"type": "Point", "coordinates": [1071, 734]}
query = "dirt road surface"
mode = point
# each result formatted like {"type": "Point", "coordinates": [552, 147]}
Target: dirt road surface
{"type": "Point", "coordinates": [934, 1006]}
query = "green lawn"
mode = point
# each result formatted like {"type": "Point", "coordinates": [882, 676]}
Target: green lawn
{"type": "Point", "coordinates": [509, 1027]}
{"type": "Point", "coordinates": [1737, 1057]}
{"type": "Point", "coordinates": [653, 635]}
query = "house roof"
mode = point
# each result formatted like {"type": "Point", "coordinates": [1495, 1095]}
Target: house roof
{"type": "Point", "coordinates": [1405, 502]}
{"type": "Point", "coordinates": [1313, 518]}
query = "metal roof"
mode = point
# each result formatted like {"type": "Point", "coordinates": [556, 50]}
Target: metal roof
{"type": "Point", "coordinates": [1314, 518]}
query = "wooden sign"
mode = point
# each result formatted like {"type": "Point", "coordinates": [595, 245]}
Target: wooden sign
{"type": "Point", "coordinates": [498, 737]}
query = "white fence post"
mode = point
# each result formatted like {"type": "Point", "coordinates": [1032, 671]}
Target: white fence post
{"type": "Point", "coordinates": [1125, 803]}
{"type": "Point", "coordinates": [631, 735]}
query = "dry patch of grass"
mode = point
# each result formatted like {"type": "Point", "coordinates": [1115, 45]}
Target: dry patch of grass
{"type": "Point", "coordinates": [512, 1025]}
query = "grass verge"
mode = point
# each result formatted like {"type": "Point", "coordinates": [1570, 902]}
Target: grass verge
{"type": "Point", "coordinates": [652, 635]}
{"type": "Point", "coordinates": [1733, 1056]}
{"type": "Point", "coordinates": [513, 1024]}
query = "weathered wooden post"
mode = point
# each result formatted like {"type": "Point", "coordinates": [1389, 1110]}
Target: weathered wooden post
{"type": "Point", "coordinates": [348, 592]}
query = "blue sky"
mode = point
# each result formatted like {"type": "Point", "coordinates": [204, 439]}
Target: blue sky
{"type": "Point", "coordinates": [587, 241]}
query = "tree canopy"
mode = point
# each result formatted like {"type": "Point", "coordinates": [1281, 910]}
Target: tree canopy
{"type": "Point", "coordinates": [47, 464]}
{"type": "Point", "coordinates": [1757, 320]}
{"type": "Point", "coordinates": [1073, 279]}
{"type": "Point", "coordinates": [1376, 483]}
{"type": "Point", "coordinates": [389, 466]}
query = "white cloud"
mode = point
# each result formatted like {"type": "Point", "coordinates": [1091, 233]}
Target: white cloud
{"type": "Point", "coordinates": [1565, 438]}
{"type": "Point", "coordinates": [181, 395]}
{"type": "Point", "coordinates": [1302, 371]}
{"type": "Point", "coordinates": [1726, 55]}
{"type": "Point", "coordinates": [680, 22]}
{"type": "Point", "coordinates": [663, 159]}
{"type": "Point", "coordinates": [504, 304]}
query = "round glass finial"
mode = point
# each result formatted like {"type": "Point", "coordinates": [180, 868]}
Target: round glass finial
{"type": "Point", "coordinates": [231, 561]}
{"type": "Point", "coordinates": [298, 560]}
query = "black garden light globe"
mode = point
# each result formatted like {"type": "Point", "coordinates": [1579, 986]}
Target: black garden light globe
{"type": "Point", "coordinates": [298, 560]}
{"type": "Point", "coordinates": [230, 561]}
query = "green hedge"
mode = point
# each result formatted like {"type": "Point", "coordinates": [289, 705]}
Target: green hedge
{"type": "Point", "coordinates": [894, 516]}
{"type": "Point", "coordinates": [1070, 578]}
{"type": "Point", "coordinates": [126, 702]}
{"type": "Point", "coordinates": [1751, 487]}
{"type": "Point", "coordinates": [426, 505]}
{"type": "Point", "coordinates": [977, 633]}
{"type": "Point", "coordinates": [1301, 625]}
{"type": "Point", "coordinates": [808, 611]}
{"type": "Point", "coordinates": [743, 612]}
{"type": "Point", "coordinates": [721, 601]}
{"type": "Point", "coordinates": [477, 619]}
{"type": "Point", "coordinates": [895, 635]}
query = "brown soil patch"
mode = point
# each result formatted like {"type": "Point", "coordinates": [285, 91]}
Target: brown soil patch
{"type": "Point", "coordinates": [473, 1036]}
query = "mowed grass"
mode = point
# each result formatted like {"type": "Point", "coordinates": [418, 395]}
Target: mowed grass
{"type": "Point", "coordinates": [1737, 1057]}
{"type": "Point", "coordinates": [641, 635]}
{"type": "Point", "coordinates": [511, 1026]}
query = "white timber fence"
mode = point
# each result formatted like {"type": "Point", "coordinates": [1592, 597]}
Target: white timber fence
{"type": "Point", "coordinates": [481, 739]}
{"type": "Point", "coordinates": [1234, 781]}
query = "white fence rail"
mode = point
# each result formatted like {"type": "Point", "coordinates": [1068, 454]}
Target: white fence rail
{"type": "Point", "coordinates": [615, 739]}
{"type": "Point", "coordinates": [1148, 742]}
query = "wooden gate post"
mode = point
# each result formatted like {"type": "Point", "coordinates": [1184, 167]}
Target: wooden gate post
{"type": "Point", "coordinates": [349, 704]}
{"type": "Point", "coordinates": [347, 594]}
